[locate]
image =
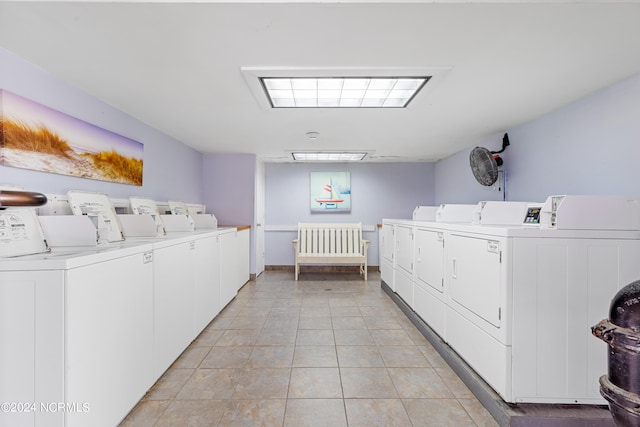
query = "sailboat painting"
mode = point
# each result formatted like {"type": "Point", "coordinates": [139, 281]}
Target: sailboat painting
{"type": "Point", "coordinates": [330, 191]}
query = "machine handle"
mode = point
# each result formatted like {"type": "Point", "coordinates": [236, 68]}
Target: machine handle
{"type": "Point", "coordinates": [454, 268]}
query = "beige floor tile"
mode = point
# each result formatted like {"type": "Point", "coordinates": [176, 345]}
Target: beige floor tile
{"type": "Point", "coordinates": [227, 357]}
{"type": "Point", "coordinates": [292, 311]}
{"type": "Point", "coordinates": [254, 413]}
{"type": "Point", "coordinates": [376, 413]}
{"type": "Point", "coordinates": [288, 302]}
{"type": "Point", "coordinates": [416, 336]}
{"type": "Point", "coordinates": [381, 322]}
{"type": "Point", "coordinates": [170, 384]}
{"type": "Point", "coordinates": [244, 322]}
{"type": "Point", "coordinates": [282, 321]}
{"type": "Point", "coordinates": [317, 322]}
{"type": "Point", "coordinates": [191, 357]}
{"type": "Point", "coordinates": [454, 383]}
{"type": "Point", "coordinates": [433, 356]}
{"type": "Point", "coordinates": [437, 413]}
{"type": "Point", "coordinates": [277, 337]}
{"type": "Point", "coordinates": [403, 356]}
{"type": "Point", "coordinates": [353, 337]}
{"type": "Point", "coordinates": [315, 413]}
{"type": "Point", "coordinates": [320, 383]}
{"type": "Point", "coordinates": [220, 323]}
{"type": "Point", "coordinates": [391, 337]}
{"type": "Point", "coordinates": [208, 337]}
{"type": "Point", "coordinates": [210, 384]}
{"type": "Point", "coordinates": [345, 311]}
{"type": "Point", "coordinates": [256, 312]}
{"type": "Point", "coordinates": [314, 352]}
{"type": "Point", "coordinates": [342, 301]}
{"type": "Point", "coordinates": [271, 356]}
{"type": "Point", "coordinates": [419, 383]}
{"type": "Point", "coordinates": [315, 356]}
{"type": "Point", "coordinates": [313, 311]}
{"type": "Point", "coordinates": [348, 322]}
{"type": "Point", "coordinates": [359, 356]}
{"type": "Point", "coordinates": [373, 383]}
{"type": "Point", "coordinates": [146, 413]}
{"type": "Point", "coordinates": [238, 337]}
{"type": "Point", "coordinates": [263, 383]}
{"type": "Point", "coordinates": [368, 311]}
{"type": "Point", "coordinates": [193, 413]}
{"type": "Point", "coordinates": [315, 337]}
{"type": "Point", "coordinates": [478, 413]}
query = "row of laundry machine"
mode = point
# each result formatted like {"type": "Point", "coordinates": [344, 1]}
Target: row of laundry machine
{"type": "Point", "coordinates": [96, 305]}
{"type": "Point", "coordinates": [514, 287]}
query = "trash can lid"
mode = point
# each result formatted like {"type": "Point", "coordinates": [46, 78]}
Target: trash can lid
{"type": "Point", "coordinates": [625, 307]}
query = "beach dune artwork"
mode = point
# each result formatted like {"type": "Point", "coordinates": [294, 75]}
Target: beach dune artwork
{"type": "Point", "coordinates": [33, 136]}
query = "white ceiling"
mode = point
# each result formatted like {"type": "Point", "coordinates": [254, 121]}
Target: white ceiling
{"type": "Point", "coordinates": [189, 69]}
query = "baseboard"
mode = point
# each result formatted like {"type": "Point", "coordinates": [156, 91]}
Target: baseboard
{"type": "Point", "coordinates": [321, 268]}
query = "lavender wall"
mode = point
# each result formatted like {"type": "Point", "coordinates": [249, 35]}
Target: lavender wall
{"type": "Point", "coordinates": [591, 146]}
{"type": "Point", "coordinates": [171, 169]}
{"type": "Point", "coordinates": [380, 190]}
{"type": "Point", "coordinates": [229, 182]}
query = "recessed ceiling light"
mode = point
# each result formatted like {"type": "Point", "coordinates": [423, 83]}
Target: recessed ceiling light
{"type": "Point", "coordinates": [313, 135]}
{"type": "Point", "coordinates": [328, 156]}
{"type": "Point", "coordinates": [342, 92]}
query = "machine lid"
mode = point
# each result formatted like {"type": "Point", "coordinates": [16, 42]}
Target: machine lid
{"type": "Point", "coordinates": [21, 233]}
{"type": "Point", "coordinates": [99, 208]}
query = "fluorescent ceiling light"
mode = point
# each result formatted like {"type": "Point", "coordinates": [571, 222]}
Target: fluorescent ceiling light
{"type": "Point", "coordinates": [328, 156]}
{"type": "Point", "coordinates": [342, 92]}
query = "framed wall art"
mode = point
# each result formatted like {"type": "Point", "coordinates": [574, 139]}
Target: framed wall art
{"type": "Point", "coordinates": [330, 191]}
{"type": "Point", "coordinates": [33, 136]}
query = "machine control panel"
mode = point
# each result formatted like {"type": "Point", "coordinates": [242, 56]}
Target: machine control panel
{"type": "Point", "coordinates": [533, 215]}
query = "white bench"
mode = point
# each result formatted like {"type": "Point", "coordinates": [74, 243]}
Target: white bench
{"type": "Point", "coordinates": [328, 243]}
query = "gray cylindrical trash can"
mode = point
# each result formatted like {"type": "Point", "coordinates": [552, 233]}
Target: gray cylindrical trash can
{"type": "Point", "coordinates": [621, 386]}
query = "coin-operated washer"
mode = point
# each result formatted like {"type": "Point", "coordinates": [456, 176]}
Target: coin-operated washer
{"type": "Point", "coordinates": [520, 299]}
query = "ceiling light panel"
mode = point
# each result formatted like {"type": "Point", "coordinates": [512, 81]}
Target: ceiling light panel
{"type": "Point", "coordinates": [326, 156]}
{"type": "Point", "coordinates": [342, 92]}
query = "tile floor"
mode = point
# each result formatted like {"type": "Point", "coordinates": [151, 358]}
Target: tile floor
{"type": "Point", "coordinates": [329, 350]}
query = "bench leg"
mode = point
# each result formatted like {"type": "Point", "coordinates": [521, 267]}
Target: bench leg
{"type": "Point", "coordinates": [297, 270]}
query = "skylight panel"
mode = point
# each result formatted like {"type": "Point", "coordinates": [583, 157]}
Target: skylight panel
{"type": "Point", "coordinates": [342, 92]}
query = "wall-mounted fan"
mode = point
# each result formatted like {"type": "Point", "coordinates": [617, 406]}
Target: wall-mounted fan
{"type": "Point", "coordinates": [485, 163]}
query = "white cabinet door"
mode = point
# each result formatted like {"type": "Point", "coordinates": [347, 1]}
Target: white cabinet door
{"type": "Point", "coordinates": [387, 242]}
{"type": "Point", "coordinates": [31, 345]}
{"type": "Point", "coordinates": [173, 302]}
{"type": "Point", "coordinates": [430, 259]}
{"type": "Point", "coordinates": [475, 276]}
{"type": "Point", "coordinates": [109, 339]}
{"type": "Point", "coordinates": [207, 281]}
{"type": "Point", "coordinates": [386, 254]}
{"type": "Point", "coordinates": [429, 296]}
{"type": "Point", "coordinates": [404, 248]}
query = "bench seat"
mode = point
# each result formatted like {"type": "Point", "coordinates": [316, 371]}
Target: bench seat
{"type": "Point", "coordinates": [330, 243]}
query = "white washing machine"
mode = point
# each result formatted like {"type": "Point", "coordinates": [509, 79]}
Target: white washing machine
{"type": "Point", "coordinates": [77, 324]}
{"type": "Point", "coordinates": [520, 301]}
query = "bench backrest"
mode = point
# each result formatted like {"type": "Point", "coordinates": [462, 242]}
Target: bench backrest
{"type": "Point", "coordinates": [330, 238]}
